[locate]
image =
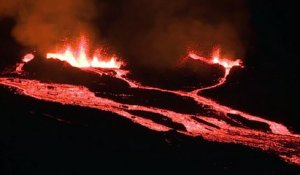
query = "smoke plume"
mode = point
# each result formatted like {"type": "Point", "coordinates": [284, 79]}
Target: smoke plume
{"type": "Point", "coordinates": [150, 33]}
{"type": "Point", "coordinates": [42, 23]}
{"type": "Point", "coordinates": [157, 33]}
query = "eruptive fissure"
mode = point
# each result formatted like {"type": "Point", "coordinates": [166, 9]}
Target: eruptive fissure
{"type": "Point", "coordinates": [217, 126]}
{"type": "Point", "coordinates": [79, 58]}
{"type": "Point", "coordinates": [216, 59]}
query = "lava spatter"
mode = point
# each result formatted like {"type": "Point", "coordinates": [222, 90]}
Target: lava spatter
{"type": "Point", "coordinates": [78, 57]}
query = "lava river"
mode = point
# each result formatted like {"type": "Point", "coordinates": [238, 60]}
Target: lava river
{"type": "Point", "coordinates": [221, 125]}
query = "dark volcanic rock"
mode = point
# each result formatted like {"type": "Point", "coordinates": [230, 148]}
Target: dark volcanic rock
{"type": "Point", "coordinates": [55, 71]}
{"type": "Point", "coordinates": [249, 123]}
{"type": "Point", "coordinates": [189, 75]}
{"type": "Point", "coordinates": [51, 70]}
{"type": "Point", "coordinates": [157, 118]}
{"type": "Point", "coordinates": [32, 143]}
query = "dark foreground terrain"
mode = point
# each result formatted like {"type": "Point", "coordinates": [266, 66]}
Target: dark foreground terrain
{"type": "Point", "coordinates": [46, 138]}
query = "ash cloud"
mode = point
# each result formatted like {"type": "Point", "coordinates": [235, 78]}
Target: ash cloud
{"type": "Point", "coordinates": [42, 23]}
{"type": "Point", "coordinates": [157, 33]}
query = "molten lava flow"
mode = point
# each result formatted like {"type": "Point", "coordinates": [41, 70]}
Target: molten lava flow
{"type": "Point", "coordinates": [28, 57]}
{"type": "Point", "coordinates": [216, 58]}
{"type": "Point", "coordinates": [79, 58]}
{"type": "Point", "coordinates": [220, 123]}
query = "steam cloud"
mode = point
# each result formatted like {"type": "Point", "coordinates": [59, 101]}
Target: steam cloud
{"type": "Point", "coordinates": [42, 23]}
{"type": "Point", "coordinates": [151, 33]}
{"type": "Point", "coordinates": [159, 32]}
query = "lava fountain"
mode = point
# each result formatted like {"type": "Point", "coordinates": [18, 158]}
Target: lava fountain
{"type": "Point", "coordinates": [79, 57]}
{"type": "Point", "coordinates": [227, 64]}
{"type": "Point", "coordinates": [220, 123]}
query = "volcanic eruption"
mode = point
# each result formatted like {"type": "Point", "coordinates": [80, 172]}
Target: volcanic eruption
{"type": "Point", "coordinates": [216, 123]}
{"type": "Point", "coordinates": [76, 72]}
{"type": "Point", "coordinates": [79, 58]}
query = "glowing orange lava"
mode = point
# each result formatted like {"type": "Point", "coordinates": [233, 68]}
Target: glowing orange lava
{"type": "Point", "coordinates": [28, 57]}
{"type": "Point", "coordinates": [79, 57]}
{"type": "Point", "coordinates": [220, 123]}
{"type": "Point", "coordinates": [218, 59]}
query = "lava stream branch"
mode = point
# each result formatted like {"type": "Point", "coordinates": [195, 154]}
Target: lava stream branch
{"type": "Point", "coordinates": [275, 127]}
{"type": "Point", "coordinates": [225, 63]}
{"type": "Point", "coordinates": [220, 125]}
{"type": "Point", "coordinates": [286, 146]}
